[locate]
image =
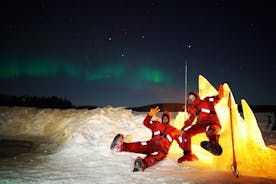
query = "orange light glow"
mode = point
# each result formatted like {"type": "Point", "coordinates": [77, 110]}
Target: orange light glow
{"type": "Point", "coordinates": [253, 157]}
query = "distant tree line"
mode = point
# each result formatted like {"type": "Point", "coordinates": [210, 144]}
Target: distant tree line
{"type": "Point", "coordinates": [33, 101]}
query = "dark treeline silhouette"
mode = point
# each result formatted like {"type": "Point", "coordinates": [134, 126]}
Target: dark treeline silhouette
{"type": "Point", "coordinates": [33, 101]}
{"type": "Point", "coordinates": [175, 107]}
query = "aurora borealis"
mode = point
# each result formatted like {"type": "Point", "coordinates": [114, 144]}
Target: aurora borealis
{"type": "Point", "coordinates": [120, 75]}
{"type": "Point", "coordinates": [133, 53]}
{"type": "Point", "coordinates": [37, 67]}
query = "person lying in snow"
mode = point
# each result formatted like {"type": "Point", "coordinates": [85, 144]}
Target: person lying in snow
{"type": "Point", "coordinates": [157, 147]}
{"type": "Point", "coordinates": [207, 122]}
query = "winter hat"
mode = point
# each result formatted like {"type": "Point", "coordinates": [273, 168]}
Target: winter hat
{"type": "Point", "coordinates": [168, 114]}
{"type": "Point", "coordinates": [194, 94]}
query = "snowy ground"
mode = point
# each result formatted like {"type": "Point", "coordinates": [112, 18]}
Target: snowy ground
{"type": "Point", "coordinates": [86, 158]}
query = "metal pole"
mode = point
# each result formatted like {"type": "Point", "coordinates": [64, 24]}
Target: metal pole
{"type": "Point", "coordinates": [186, 83]}
{"type": "Point", "coordinates": [234, 164]}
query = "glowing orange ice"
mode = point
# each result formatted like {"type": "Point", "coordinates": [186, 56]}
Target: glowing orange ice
{"type": "Point", "coordinates": [253, 157]}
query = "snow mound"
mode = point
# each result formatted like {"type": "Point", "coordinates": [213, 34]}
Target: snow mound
{"type": "Point", "coordinates": [85, 157]}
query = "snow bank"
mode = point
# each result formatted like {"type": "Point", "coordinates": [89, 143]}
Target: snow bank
{"type": "Point", "coordinates": [85, 156]}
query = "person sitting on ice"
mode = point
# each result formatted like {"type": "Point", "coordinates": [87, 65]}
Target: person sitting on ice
{"type": "Point", "coordinates": [207, 122]}
{"type": "Point", "coordinates": [157, 147]}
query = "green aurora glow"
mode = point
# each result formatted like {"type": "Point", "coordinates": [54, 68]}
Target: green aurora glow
{"type": "Point", "coordinates": [11, 68]}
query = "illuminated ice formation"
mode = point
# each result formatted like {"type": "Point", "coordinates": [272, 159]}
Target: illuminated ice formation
{"type": "Point", "coordinates": [253, 157]}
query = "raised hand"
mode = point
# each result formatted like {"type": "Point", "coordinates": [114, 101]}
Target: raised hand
{"type": "Point", "coordinates": [153, 111]}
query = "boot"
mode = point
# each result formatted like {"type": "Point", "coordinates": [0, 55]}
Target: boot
{"type": "Point", "coordinates": [188, 156]}
{"type": "Point", "coordinates": [212, 147]}
{"type": "Point", "coordinates": [139, 165]}
{"type": "Point", "coordinates": [117, 143]}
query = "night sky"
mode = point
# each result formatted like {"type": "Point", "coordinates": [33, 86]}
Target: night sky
{"type": "Point", "coordinates": [131, 53]}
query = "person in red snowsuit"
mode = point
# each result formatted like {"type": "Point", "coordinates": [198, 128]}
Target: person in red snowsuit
{"type": "Point", "coordinates": [207, 122]}
{"type": "Point", "coordinates": [157, 147]}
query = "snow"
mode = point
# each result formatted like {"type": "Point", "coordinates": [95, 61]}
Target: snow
{"type": "Point", "coordinates": [83, 138]}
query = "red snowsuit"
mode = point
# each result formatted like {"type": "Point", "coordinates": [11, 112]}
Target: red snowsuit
{"type": "Point", "coordinates": [207, 121]}
{"type": "Point", "coordinates": [158, 146]}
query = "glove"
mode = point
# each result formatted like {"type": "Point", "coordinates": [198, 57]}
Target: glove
{"type": "Point", "coordinates": [153, 111]}
{"type": "Point", "coordinates": [220, 91]}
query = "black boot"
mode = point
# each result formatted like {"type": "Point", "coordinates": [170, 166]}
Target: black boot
{"type": "Point", "coordinates": [117, 142]}
{"type": "Point", "coordinates": [213, 148]}
{"type": "Point", "coordinates": [139, 165]}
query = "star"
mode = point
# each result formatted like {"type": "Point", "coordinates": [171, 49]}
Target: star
{"type": "Point", "coordinates": [109, 38]}
{"type": "Point", "coordinates": [189, 46]}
